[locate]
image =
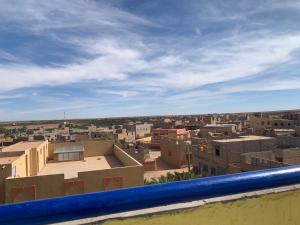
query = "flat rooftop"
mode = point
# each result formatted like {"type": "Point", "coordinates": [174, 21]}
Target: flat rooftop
{"type": "Point", "coordinates": [244, 138]}
{"type": "Point", "coordinates": [70, 169]}
{"type": "Point", "coordinates": [22, 146]}
{"type": "Point", "coordinates": [8, 160]}
{"type": "Point", "coordinates": [218, 125]}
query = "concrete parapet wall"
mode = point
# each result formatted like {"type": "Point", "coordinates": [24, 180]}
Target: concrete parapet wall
{"type": "Point", "coordinates": [91, 148]}
{"type": "Point", "coordinates": [269, 207]}
{"type": "Point", "coordinates": [125, 158]}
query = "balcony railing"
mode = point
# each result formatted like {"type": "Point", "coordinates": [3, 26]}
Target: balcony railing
{"type": "Point", "coordinates": [108, 202]}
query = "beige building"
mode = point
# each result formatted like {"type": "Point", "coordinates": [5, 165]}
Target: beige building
{"type": "Point", "coordinates": [176, 152]}
{"type": "Point", "coordinates": [158, 134]}
{"type": "Point", "coordinates": [218, 130]}
{"type": "Point", "coordinates": [39, 170]}
{"type": "Point", "coordinates": [140, 129]}
{"type": "Point", "coordinates": [260, 124]}
{"type": "Point", "coordinates": [270, 159]}
{"type": "Point", "coordinates": [224, 156]}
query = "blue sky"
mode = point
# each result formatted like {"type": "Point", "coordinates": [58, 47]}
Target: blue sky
{"type": "Point", "coordinates": [131, 57]}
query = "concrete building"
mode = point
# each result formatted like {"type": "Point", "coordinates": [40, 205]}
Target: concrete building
{"type": "Point", "coordinates": [270, 159]}
{"type": "Point", "coordinates": [38, 170]}
{"type": "Point", "coordinates": [224, 156]}
{"type": "Point", "coordinates": [158, 134]}
{"type": "Point", "coordinates": [260, 124]}
{"type": "Point", "coordinates": [141, 130]}
{"type": "Point", "coordinates": [176, 151]}
{"type": "Point", "coordinates": [220, 130]}
{"type": "Point", "coordinates": [297, 130]}
{"type": "Point", "coordinates": [123, 135]}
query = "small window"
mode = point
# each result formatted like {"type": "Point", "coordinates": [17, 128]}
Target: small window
{"type": "Point", "coordinates": [213, 171]}
{"type": "Point", "coordinates": [262, 123]}
{"type": "Point", "coordinates": [66, 156]}
{"type": "Point", "coordinates": [275, 124]}
{"type": "Point", "coordinates": [282, 124]}
{"type": "Point", "coordinates": [205, 168]}
{"type": "Point", "coordinates": [170, 154]}
{"type": "Point", "coordinates": [77, 156]}
{"type": "Point", "coordinates": [61, 157]}
{"type": "Point", "coordinates": [217, 150]}
{"type": "Point", "coordinates": [14, 172]}
{"type": "Point", "coordinates": [279, 159]}
{"type": "Point", "coordinates": [268, 122]}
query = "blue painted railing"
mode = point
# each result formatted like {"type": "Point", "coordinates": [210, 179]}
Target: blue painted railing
{"type": "Point", "coordinates": [107, 202]}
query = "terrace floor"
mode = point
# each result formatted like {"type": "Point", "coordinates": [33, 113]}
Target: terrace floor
{"type": "Point", "coordinates": [71, 169]}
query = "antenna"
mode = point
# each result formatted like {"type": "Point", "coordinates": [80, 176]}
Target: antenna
{"type": "Point", "coordinates": [64, 115]}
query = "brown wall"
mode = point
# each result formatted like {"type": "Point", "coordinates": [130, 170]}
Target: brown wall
{"type": "Point", "coordinates": [42, 187]}
{"type": "Point", "coordinates": [91, 147]}
{"type": "Point", "coordinates": [28, 188]}
{"type": "Point", "coordinates": [174, 152]}
{"type": "Point", "coordinates": [37, 187]}
{"type": "Point", "coordinates": [5, 172]}
{"type": "Point", "coordinates": [149, 165]}
{"type": "Point", "coordinates": [112, 178]}
{"type": "Point", "coordinates": [125, 159]}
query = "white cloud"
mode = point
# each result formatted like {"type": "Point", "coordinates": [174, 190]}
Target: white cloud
{"type": "Point", "coordinates": [59, 14]}
{"type": "Point", "coordinates": [114, 51]}
{"type": "Point", "coordinates": [7, 56]}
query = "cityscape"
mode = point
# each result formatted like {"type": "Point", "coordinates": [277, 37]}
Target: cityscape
{"type": "Point", "coordinates": [149, 112]}
{"type": "Point", "coordinates": [45, 159]}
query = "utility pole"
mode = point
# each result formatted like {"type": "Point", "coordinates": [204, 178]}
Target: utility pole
{"type": "Point", "coordinates": [188, 158]}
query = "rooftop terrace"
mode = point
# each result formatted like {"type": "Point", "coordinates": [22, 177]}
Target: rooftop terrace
{"type": "Point", "coordinates": [22, 146]}
{"type": "Point", "coordinates": [71, 169]}
{"type": "Point", "coordinates": [244, 138]}
{"type": "Point", "coordinates": [7, 160]}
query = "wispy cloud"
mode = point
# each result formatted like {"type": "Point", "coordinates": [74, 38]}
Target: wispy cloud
{"type": "Point", "coordinates": [212, 50]}
{"type": "Point", "coordinates": [4, 55]}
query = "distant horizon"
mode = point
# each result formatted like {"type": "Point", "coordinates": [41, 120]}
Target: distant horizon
{"type": "Point", "coordinates": [121, 58]}
{"type": "Point", "coordinates": [170, 115]}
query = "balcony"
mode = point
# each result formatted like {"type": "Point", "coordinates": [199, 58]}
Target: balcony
{"type": "Point", "coordinates": [261, 197]}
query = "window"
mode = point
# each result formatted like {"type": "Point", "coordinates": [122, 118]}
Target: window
{"type": "Point", "coordinates": [71, 156]}
{"type": "Point", "coordinates": [65, 156]}
{"type": "Point", "coordinates": [276, 124]}
{"type": "Point", "coordinates": [217, 150]}
{"type": "Point", "coordinates": [170, 154]}
{"type": "Point", "coordinates": [263, 123]}
{"type": "Point", "coordinates": [14, 171]}
{"type": "Point", "coordinates": [26, 164]}
{"type": "Point", "coordinates": [213, 171]}
{"type": "Point", "coordinates": [77, 156]}
{"type": "Point", "coordinates": [200, 168]}
{"type": "Point", "coordinates": [279, 159]}
{"type": "Point", "coordinates": [68, 156]}
{"type": "Point", "coordinates": [60, 157]}
{"type": "Point", "coordinates": [205, 168]}
{"type": "Point", "coordinates": [282, 124]}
